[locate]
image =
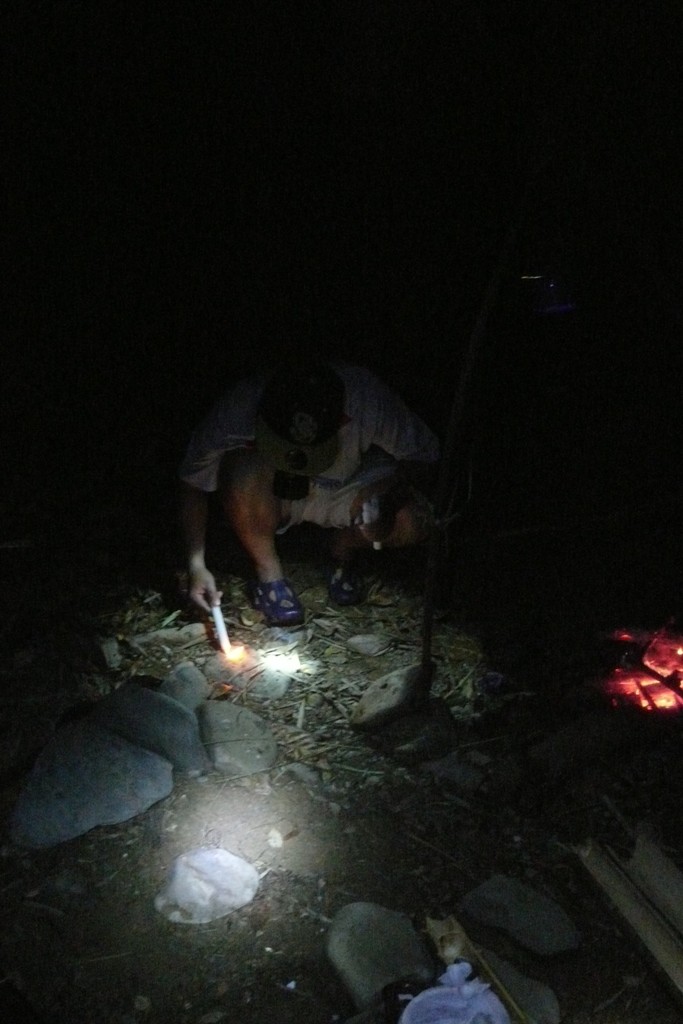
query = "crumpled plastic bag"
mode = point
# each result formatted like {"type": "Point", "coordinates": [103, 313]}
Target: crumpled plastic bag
{"type": "Point", "coordinates": [455, 1000]}
{"type": "Point", "coordinates": [205, 884]}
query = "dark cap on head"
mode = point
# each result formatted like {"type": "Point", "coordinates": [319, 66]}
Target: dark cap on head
{"type": "Point", "coordinates": [299, 414]}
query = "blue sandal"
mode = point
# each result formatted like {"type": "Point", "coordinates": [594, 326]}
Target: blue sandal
{"type": "Point", "coordinates": [277, 602]}
{"type": "Point", "coordinates": [344, 586]}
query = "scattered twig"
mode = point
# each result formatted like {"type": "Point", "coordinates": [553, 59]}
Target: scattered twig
{"type": "Point", "coordinates": [193, 642]}
{"type": "Point", "coordinates": [437, 849]}
{"type": "Point", "coordinates": [106, 956]}
{"type": "Point", "coordinates": [610, 999]}
{"type": "Point", "coordinates": [358, 771]}
{"type": "Point", "coordinates": [170, 618]}
{"type": "Point", "coordinates": [480, 743]}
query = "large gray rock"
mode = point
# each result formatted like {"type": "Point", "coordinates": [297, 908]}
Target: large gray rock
{"type": "Point", "coordinates": [238, 741]}
{"type": "Point", "coordinates": [86, 776]}
{"type": "Point", "coordinates": [156, 722]}
{"type": "Point", "coordinates": [531, 918]}
{"type": "Point", "coordinates": [370, 947]}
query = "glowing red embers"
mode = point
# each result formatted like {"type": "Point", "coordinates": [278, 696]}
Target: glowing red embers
{"type": "Point", "coordinates": [655, 683]}
{"type": "Point", "coordinates": [627, 685]}
{"type": "Point", "coordinates": [664, 654]}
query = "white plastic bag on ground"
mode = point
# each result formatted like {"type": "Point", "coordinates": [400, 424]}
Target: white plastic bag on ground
{"type": "Point", "coordinates": [206, 884]}
{"type": "Point", "coordinates": [455, 1000]}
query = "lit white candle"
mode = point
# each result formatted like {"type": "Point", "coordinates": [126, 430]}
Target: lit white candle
{"type": "Point", "coordinates": [221, 631]}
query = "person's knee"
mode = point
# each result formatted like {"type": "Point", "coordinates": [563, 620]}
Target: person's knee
{"type": "Point", "coordinates": [241, 470]}
{"type": "Point", "coordinates": [412, 525]}
{"type": "Point", "coordinates": [246, 493]}
{"type": "Point", "coordinates": [400, 515]}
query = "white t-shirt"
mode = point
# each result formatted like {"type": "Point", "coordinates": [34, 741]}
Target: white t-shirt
{"type": "Point", "coordinates": [374, 416]}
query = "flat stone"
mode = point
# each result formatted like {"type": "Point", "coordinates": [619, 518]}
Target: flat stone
{"type": "Point", "coordinates": [86, 776]}
{"type": "Point", "coordinates": [534, 920]}
{"type": "Point", "coordinates": [156, 722]}
{"type": "Point", "coordinates": [205, 884]}
{"type": "Point", "coordinates": [186, 684]}
{"type": "Point", "coordinates": [237, 740]}
{"type": "Point", "coordinates": [370, 947]}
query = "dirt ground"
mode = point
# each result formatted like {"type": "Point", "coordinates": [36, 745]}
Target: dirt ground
{"type": "Point", "coordinates": [341, 816]}
{"type": "Point", "coordinates": [187, 198]}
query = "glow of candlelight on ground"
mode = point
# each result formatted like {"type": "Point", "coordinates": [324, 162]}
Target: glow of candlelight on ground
{"type": "Point", "coordinates": [287, 662]}
{"type": "Point", "coordinates": [236, 652]}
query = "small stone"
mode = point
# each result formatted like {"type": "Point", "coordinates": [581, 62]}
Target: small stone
{"type": "Point", "coordinates": [369, 644]}
{"type": "Point", "coordinates": [385, 698]}
{"type": "Point", "coordinates": [111, 652]}
{"type": "Point", "coordinates": [370, 947]}
{"type": "Point", "coordinates": [187, 685]}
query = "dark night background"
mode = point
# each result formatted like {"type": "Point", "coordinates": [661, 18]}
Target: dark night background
{"type": "Point", "coordinates": [193, 187]}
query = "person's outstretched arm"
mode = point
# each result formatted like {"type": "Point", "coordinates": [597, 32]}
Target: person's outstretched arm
{"type": "Point", "coordinates": [194, 511]}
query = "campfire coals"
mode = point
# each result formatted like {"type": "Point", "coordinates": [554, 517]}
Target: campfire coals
{"type": "Point", "coordinates": [650, 673]}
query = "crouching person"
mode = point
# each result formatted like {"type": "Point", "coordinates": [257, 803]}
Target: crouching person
{"type": "Point", "coordinates": [326, 443]}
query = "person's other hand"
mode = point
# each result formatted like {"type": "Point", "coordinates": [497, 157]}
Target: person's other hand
{"type": "Point", "coordinates": [202, 589]}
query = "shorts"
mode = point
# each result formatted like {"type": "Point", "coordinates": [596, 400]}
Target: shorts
{"type": "Point", "coordinates": [331, 507]}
